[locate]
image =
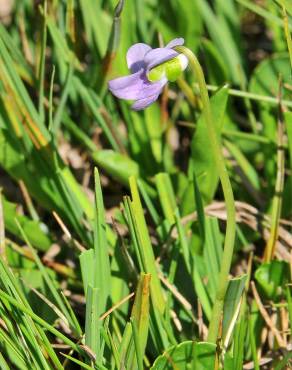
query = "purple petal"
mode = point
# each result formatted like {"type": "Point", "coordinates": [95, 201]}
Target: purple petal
{"type": "Point", "coordinates": [157, 56]}
{"type": "Point", "coordinates": [151, 88]}
{"type": "Point", "coordinates": [127, 87]}
{"type": "Point", "coordinates": [175, 42]}
{"type": "Point", "coordinates": [135, 56]}
{"type": "Point", "coordinates": [144, 103]}
{"type": "Point", "coordinates": [149, 94]}
{"type": "Point", "coordinates": [135, 86]}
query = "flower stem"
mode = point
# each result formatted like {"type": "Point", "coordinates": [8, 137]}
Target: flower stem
{"type": "Point", "coordinates": [228, 195]}
{"type": "Point", "coordinates": [188, 91]}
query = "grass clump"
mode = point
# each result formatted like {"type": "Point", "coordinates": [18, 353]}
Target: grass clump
{"type": "Point", "coordinates": [113, 222]}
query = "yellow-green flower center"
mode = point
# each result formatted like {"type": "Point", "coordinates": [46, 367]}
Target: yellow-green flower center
{"type": "Point", "coordinates": [170, 69]}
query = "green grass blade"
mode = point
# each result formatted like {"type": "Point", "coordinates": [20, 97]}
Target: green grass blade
{"type": "Point", "coordinates": [145, 247]}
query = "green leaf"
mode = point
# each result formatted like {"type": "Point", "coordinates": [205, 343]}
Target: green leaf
{"type": "Point", "coordinates": [166, 196]}
{"type": "Point", "coordinates": [87, 263]}
{"type": "Point", "coordinates": [52, 286]}
{"type": "Point", "coordinates": [33, 229]}
{"type": "Point", "coordinates": [145, 247]}
{"type": "Point", "coordinates": [217, 70]}
{"type": "Point", "coordinates": [265, 78]}
{"type": "Point", "coordinates": [117, 165]}
{"type": "Point", "coordinates": [140, 313]}
{"type": "Point", "coordinates": [286, 3]}
{"type": "Point", "coordinates": [203, 161]}
{"type": "Point", "coordinates": [239, 337]}
{"type": "Point", "coordinates": [3, 363]}
{"type": "Point", "coordinates": [232, 303]}
{"type": "Point", "coordinates": [92, 322]}
{"type": "Point", "coordinates": [246, 167]}
{"type": "Point", "coordinates": [212, 254]}
{"type": "Point", "coordinates": [201, 355]}
{"type": "Point", "coordinates": [271, 277]}
{"type": "Point", "coordinates": [288, 122]}
{"type": "Point", "coordinates": [34, 279]}
{"type": "Point", "coordinates": [102, 264]}
{"type": "Point", "coordinates": [225, 38]}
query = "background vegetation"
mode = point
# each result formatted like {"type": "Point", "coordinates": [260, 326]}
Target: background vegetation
{"type": "Point", "coordinates": [112, 221]}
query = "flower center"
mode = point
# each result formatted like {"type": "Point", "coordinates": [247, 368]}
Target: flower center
{"type": "Point", "coordinates": [171, 69]}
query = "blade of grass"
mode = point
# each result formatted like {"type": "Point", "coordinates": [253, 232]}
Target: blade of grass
{"type": "Point", "coordinates": [2, 229]}
{"type": "Point", "coordinates": [70, 21]}
{"type": "Point", "coordinates": [253, 346]}
{"type": "Point", "coordinates": [51, 284]}
{"type": "Point", "coordinates": [93, 102]}
{"type": "Point", "coordinates": [279, 186]}
{"type": "Point", "coordinates": [287, 31]}
{"type": "Point", "coordinates": [212, 254]}
{"type": "Point", "coordinates": [3, 363]}
{"type": "Point", "coordinates": [4, 296]}
{"type": "Point", "coordinates": [166, 195]}
{"type": "Point", "coordinates": [251, 96]}
{"type": "Point", "coordinates": [42, 61]}
{"type": "Point", "coordinates": [113, 42]}
{"type": "Point", "coordinates": [62, 103]}
{"type": "Point", "coordinates": [262, 12]}
{"type": "Point", "coordinates": [102, 268]}
{"type": "Point", "coordinates": [140, 316]}
{"type": "Point", "coordinates": [50, 126]}
{"type": "Point", "coordinates": [92, 323]}
{"type": "Point", "coordinates": [137, 344]}
{"type": "Point", "coordinates": [144, 244]}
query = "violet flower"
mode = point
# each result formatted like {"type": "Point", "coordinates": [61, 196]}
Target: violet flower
{"type": "Point", "coordinates": [150, 70]}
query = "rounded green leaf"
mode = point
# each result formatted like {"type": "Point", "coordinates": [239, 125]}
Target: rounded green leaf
{"type": "Point", "coordinates": [271, 277]}
{"type": "Point", "coordinates": [187, 355]}
{"type": "Point", "coordinates": [117, 165]}
{"type": "Point", "coordinates": [265, 78]}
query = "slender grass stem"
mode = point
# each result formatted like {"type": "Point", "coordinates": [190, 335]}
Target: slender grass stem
{"type": "Point", "coordinates": [252, 96]}
{"type": "Point", "coordinates": [51, 99]}
{"type": "Point", "coordinates": [2, 229]}
{"type": "Point", "coordinates": [287, 32]}
{"type": "Point", "coordinates": [279, 187]}
{"type": "Point", "coordinates": [41, 68]}
{"type": "Point", "coordinates": [228, 195]}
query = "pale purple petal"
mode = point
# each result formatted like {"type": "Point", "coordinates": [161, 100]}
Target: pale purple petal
{"type": "Point", "coordinates": [175, 42]}
{"type": "Point", "coordinates": [151, 88]}
{"type": "Point", "coordinates": [127, 87]}
{"type": "Point", "coordinates": [144, 103]}
{"type": "Point", "coordinates": [157, 56]}
{"type": "Point", "coordinates": [135, 86]}
{"type": "Point", "coordinates": [149, 94]}
{"type": "Point", "coordinates": [135, 56]}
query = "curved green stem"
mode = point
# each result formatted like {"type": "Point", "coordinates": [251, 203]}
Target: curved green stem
{"type": "Point", "coordinates": [228, 195]}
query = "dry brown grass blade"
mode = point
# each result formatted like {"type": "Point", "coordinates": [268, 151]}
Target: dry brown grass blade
{"type": "Point", "coordinates": [266, 316]}
{"type": "Point", "coordinates": [176, 293]}
{"type": "Point", "coordinates": [65, 230]}
{"type": "Point", "coordinates": [57, 311]}
{"type": "Point", "coordinates": [60, 268]}
{"type": "Point", "coordinates": [184, 302]}
{"type": "Point", "coordinates": [27, 200]}
{"type": "Point", "coordinates": [117, 305]}
{"type": "Point", "coordinates": [253, 218]}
